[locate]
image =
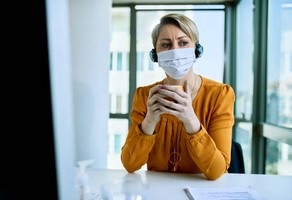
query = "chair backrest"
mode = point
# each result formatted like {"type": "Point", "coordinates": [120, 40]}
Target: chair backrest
{"type": "Point", "coordinates": [237, 161]}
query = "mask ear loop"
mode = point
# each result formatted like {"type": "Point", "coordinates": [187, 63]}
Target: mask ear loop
{"type": "Point", "coordinates": [199, 50]}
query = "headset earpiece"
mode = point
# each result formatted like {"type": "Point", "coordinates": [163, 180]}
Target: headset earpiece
{"type": "Point", "coordinates": [153, 55]}
{"type": "Point", "coordinates": [199, 50]}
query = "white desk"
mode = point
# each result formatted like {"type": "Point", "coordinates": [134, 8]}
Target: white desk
{"type": "Point", "coordinates": [169, 186]}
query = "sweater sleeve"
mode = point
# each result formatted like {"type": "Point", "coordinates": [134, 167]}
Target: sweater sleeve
{"type": "Point", "coordinates": [137, 146]}
{"type": "Point", "coordinates": [210, 148]}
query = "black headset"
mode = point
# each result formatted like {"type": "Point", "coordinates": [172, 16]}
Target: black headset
{"type": "Point", "coordinates": [198, 53]}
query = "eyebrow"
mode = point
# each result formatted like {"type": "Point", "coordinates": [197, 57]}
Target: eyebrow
{"type": "Point", "coordinates": [181, 37]}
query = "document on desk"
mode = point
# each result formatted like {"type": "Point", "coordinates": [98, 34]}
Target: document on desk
{"type": "Point", "coordinates": [222, 193]}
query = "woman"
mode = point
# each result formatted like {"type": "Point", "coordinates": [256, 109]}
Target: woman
{"type": "Point", "coordinates": [189, 130]}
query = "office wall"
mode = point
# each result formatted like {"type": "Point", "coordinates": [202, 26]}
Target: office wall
{"type": "Point", "coordinates": [61, 90]}
{"type": "Point", "coordinates": [78, 33]}
{"type": "Point", "coordinates": [90, 38]}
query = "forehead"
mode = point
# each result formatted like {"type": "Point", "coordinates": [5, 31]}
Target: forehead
{"type": "Point", "coordinates": [170, 31]}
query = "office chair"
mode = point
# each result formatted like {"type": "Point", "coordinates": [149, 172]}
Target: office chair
{"type": "Point", "coordinates": [237, 161]}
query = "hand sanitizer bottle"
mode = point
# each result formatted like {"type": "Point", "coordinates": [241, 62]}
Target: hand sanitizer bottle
{"type": "Point", "coordinates": [83, 180]}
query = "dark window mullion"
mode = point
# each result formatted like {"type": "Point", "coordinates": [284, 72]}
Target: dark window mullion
{"type": "Point", "coordinates": [132, 63]}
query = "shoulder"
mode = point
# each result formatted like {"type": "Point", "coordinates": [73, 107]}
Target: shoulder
{"type": "Point", "coordinates": [212, 84]}
{"type": "Point", "coordinates": [216, 88]}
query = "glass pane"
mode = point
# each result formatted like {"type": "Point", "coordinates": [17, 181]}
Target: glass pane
{"type": "Point", "coordinates": [147, 71]}
{"type": "Point", "coordinates": [278, 158]}
{"type": "Point", "coordinates": [279, 76]}
{"type": "Point", "coordinates": [244, 53]}
{"type": "Point", "coordinates": [209, 65]}
{"type": "Point", "coordinates": [119, 64]}
{"type": "Point", "coordinates": [244, 137]}
{"type": "Point", "coordinates": [118, 129]}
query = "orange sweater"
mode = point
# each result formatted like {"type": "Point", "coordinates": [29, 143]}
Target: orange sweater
{"type": "Point", "coordinates": [207, 151]}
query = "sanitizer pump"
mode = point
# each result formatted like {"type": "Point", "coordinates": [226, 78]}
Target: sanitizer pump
{"type": "Point", "coordinates": [83, 180]}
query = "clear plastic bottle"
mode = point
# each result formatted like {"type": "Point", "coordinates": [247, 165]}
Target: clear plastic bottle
{"type": "Point", "coordinates": [83, 185]}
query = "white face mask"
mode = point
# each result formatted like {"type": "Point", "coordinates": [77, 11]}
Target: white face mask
{"type": "Point", "coordinates": [177, 62]}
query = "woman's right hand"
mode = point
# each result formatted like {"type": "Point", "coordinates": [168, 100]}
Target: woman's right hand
{"type": "Point", "coordinates": [153, 111]}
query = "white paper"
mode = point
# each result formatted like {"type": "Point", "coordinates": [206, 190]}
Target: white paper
{"type": "Point", "coordinates": [222, 193]}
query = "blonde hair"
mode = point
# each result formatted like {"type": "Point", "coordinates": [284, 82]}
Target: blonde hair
{"type": "Point", "coordinates": [182, 22]}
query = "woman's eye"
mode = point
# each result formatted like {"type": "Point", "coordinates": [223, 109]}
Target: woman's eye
{"type": "Point", "coordinates": [184, 43]}
{"type": "Point", "coordinates": [165, 45]}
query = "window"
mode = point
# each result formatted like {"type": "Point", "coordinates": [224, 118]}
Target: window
{"type": "Point", "coordinates": [279, 76]}
{"type": "Point", "coordinates": [279, 157]}
{"type": "Point", "coordinates": [119, 61]}
{"type": "Point", "coordinates": [244, 79]}
{"type": "Point", "coordinates": [119, 104]}
{"type": "Point", "coordinates": [120, 48]}
{"type": "Point", "coordinates": [117, 143]}
{"type": "Point", "coordinates": [117, 133]}
{"type": "Point", "coordinates": [279, 91]}
{"type": "Point", "coordinates": [244, 61]}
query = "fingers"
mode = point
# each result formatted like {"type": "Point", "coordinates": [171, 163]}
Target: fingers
{"type": "Point", "coordinates": [168, 103]}
{"type": "Point", "coordinates": [163, 98]}
{"type": "Point", "coordinates": [153, 91]}
{"type": "Point", "coordinates": [171, 92]}
{"type": "Point", "coordinates": [153, 106]}
{"type": "Point", "coordinates": [166, 99]}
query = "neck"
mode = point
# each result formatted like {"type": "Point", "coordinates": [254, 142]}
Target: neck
{"type": "Point", "coordinates": [190, 77]}
{"type": "Point", "coordinates": [196, 85]}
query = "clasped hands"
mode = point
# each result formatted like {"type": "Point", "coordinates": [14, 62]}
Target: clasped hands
{"type": "Point", "coordinates": [168, 99]}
